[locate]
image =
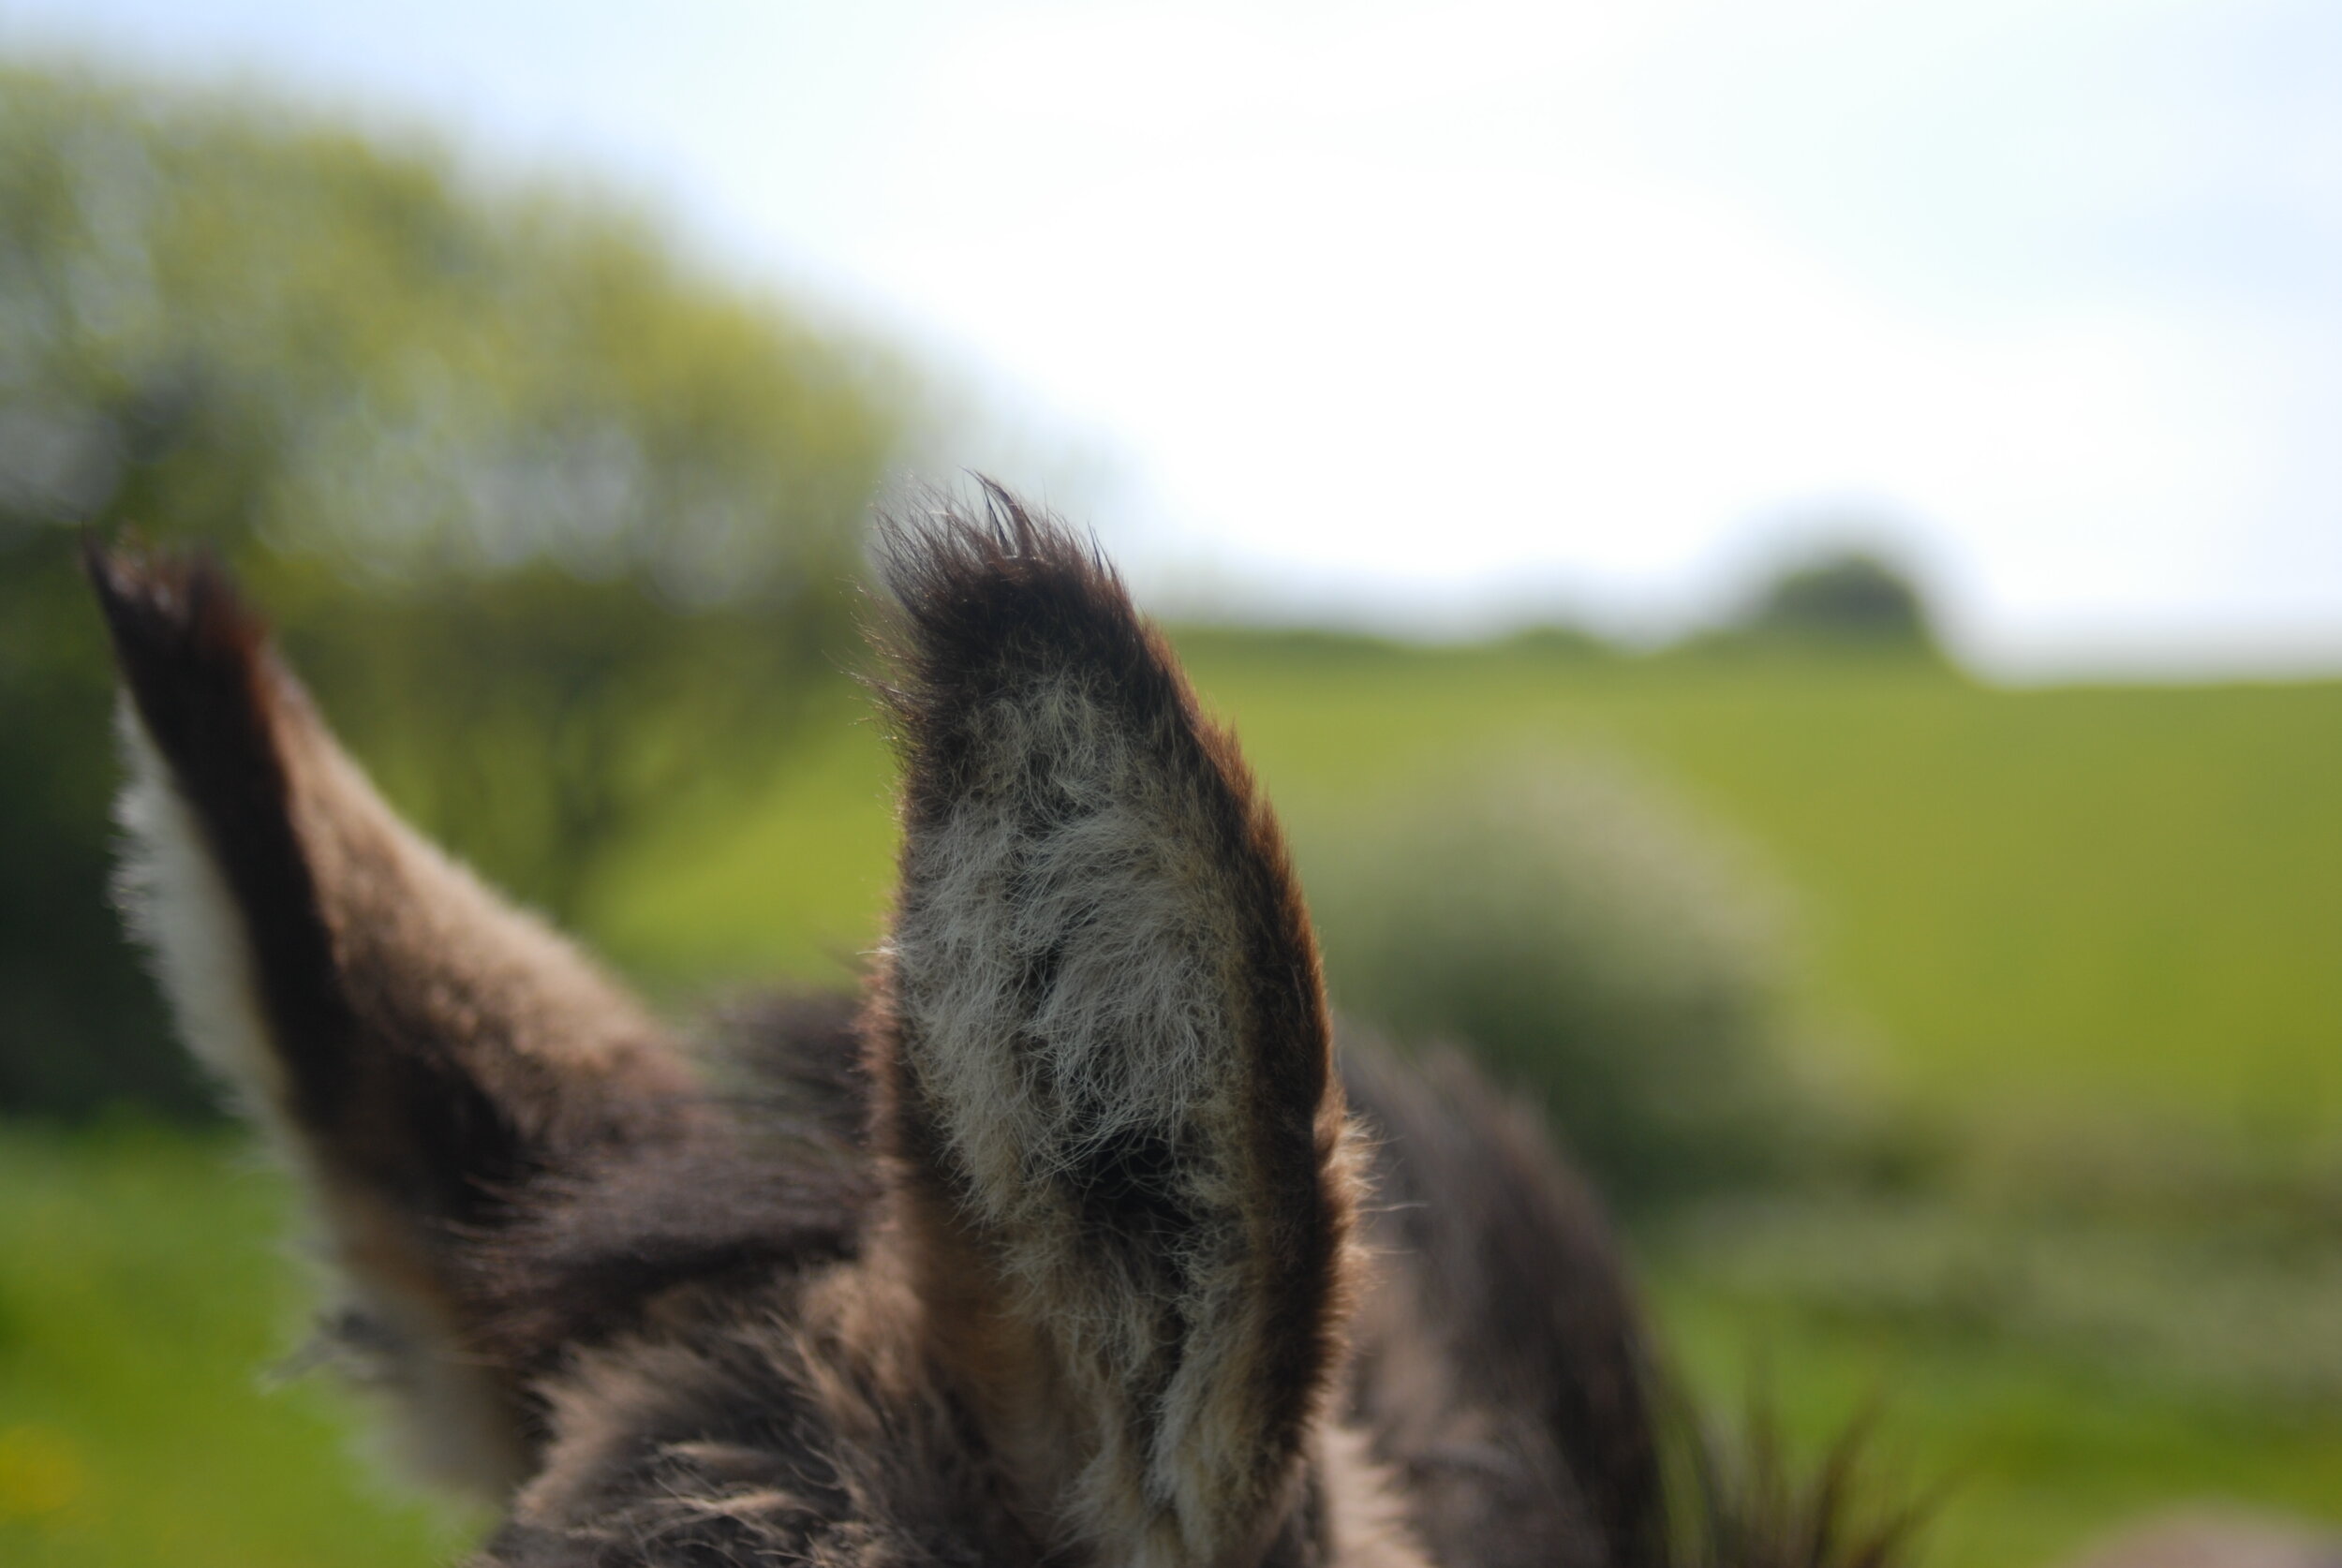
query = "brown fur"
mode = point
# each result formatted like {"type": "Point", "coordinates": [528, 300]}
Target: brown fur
{"type": "Point", "coordinates": [1060, 1252]}
{"type": "Point", "coordinates": [1502, 1363]}
{"type": "Point", "coordinates": [432, 1051]}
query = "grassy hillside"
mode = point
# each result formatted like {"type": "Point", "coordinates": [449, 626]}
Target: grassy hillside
{"type": "Point", "coordinates": [2024, 909]}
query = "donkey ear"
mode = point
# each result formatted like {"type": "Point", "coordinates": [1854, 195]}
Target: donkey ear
{"type": "Point", "coordinates": [1103, 1057]}
{"type": "Point", "coordinates": [420, 1049]}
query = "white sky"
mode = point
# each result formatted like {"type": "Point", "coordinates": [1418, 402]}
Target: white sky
{"type": "Point", "coordinates": [1434, 316]}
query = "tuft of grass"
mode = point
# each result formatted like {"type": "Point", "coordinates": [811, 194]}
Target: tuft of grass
{"type": "Point", "coordinates": [2025, 1454]}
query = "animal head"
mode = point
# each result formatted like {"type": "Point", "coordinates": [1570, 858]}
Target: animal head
{"type": "Point", "coordinates": [1049, 1249]}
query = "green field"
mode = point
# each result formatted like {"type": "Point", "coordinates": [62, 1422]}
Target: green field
{"type": "Point", "coordinates": [2111, 906]}
{"type": "Point", "coordinates": [145, 1294]}
{"type": "Point", "coordinates": [2090, 938]}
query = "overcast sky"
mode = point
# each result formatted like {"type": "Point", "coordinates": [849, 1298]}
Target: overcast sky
{"type": "Point", "coordinates": [1435, 315]}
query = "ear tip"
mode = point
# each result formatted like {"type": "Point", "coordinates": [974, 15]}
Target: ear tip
{"type": "Point", "coordinates": [963, 577]}
{"type": "Point", "coordinates": [163, 605]}
{"type": "Point", "coordinates": [1000, 534]}
{"type": "Point", "coordinates": [116, 572]}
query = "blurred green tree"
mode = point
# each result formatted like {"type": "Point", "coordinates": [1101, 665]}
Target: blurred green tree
{"type": "Point", "coordinates": [1848, 594]}
{"type": "Point", "coordinates": [558, 528]}
{"type": "Point", "coordinates": [1837, 600]}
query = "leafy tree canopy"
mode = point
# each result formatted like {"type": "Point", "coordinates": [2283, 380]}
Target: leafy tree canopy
{"type": "Point", "coordinates": [1850, 595]}
{"type": "Point", "coordinates": [559, 525]}
{"type": "Point", "coordinates": [1834, 601]}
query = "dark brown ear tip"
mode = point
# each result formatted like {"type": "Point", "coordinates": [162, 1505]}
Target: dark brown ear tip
{"type": "Point", "coordinates": [998, 538]}
{"type": "Point", "coordinates": [192, 658]}
{"type": "Point", "coordinates": [114, 571]}
{"type": "Point", "coordinates": [971, 585]}
{"type": "Point", "coordinates": [168, 604]}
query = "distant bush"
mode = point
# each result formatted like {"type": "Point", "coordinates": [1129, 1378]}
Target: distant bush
{"type": "Point", "coordinates": [1559, 640]}
{"type": "Point", "coordinates": [1595, 948]}
{"type": "Point", "coordinates": [1851, 595]}
{"type": "Point", "coordinates": [1847, 600]}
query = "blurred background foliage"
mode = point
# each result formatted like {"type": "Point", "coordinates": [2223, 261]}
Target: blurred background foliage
{"type": "Point", "coordinates": [1976, 1045]}
{"type": "Point", "coordinates": [559, 528]}
{"type": "Point", "coordinates": [1833, 601]}
{"type": "Point", "coordinates": [1594, 945]}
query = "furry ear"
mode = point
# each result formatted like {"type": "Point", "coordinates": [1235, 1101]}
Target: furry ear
{"type": "Point", "coordinates": [1103, 1056]}
{"type": "Point", "coordinates": [420, 1049]}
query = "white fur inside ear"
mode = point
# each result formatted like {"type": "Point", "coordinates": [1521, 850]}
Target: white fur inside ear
{"type": "Point", "coordinates": [1066, 964]}
{"type": "Point", "coordinates": [1106, 887]}
{"type": "Point", "coordinates": [178, 907]}
{"type": "Point", "coordinates": [447, 1426]}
